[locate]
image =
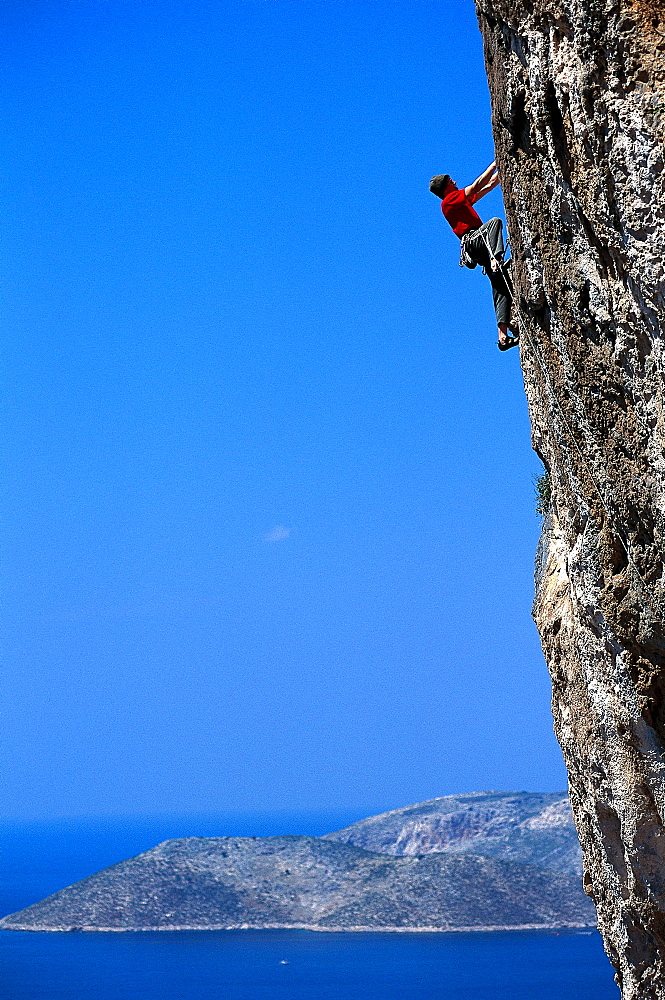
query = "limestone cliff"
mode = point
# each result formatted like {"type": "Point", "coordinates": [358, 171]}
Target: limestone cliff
{"type": "Point", "coordinates": [578, 107]}
{"type": "Point", "coordinates": [533, 828]}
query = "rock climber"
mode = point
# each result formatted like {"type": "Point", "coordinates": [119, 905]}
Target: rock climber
{"type": "Point", "coordinates": [481, 243]}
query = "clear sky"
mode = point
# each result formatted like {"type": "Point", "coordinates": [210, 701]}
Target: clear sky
{"type": "Point", "coordinates": [269, 518]}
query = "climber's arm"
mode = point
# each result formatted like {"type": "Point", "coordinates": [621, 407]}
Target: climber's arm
{"type": "Point", "coordinates": [482, 185]}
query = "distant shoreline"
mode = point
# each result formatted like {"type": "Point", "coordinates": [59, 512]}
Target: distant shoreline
{"type": "Point", "coordinates": [316, 928]}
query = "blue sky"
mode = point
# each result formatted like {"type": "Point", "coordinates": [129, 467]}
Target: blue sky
{"type": "Point", "coordinates": [269, 518]}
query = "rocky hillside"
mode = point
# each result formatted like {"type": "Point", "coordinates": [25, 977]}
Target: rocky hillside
{"type": "Point", "coordinates": [307, 882]}
{"type": "Point", "coordinates": [578, 108]}
{"type": "Point", "coordinates": [528, 827]}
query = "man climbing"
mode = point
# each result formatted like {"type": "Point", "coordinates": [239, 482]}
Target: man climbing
{"type": "Point", "coordinates": [480, 243]}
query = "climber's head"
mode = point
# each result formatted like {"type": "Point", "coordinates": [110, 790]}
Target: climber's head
{"type": "Point", "coordinates": [439, 185]}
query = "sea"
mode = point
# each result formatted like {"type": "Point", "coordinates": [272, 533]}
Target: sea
{"type": "Point", "coordinates": [40, 858]}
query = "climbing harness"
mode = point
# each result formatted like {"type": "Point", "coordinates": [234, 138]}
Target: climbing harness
{"type": "Point", "coordinates": [523, 332]}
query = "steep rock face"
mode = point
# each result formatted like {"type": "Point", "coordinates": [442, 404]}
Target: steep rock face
{"type": "Point", "coordinates": [578, 105]}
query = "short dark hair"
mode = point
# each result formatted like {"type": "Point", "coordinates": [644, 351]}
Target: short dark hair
{"type": "Point", "coordinates": [439, 184]}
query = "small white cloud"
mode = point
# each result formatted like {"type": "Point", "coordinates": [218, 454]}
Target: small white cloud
{"type": "Point", "coordinates": [277, 534]}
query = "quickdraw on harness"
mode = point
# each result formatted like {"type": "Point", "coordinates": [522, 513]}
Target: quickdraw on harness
{"type": "Point", "coordinates": [465, 260]}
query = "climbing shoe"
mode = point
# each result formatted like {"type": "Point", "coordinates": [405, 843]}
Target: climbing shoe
{"type": "Point", "coordinates": [508, 343]}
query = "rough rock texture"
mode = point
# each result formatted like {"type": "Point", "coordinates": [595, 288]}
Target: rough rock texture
{"type": "Point", "coordinates": [578, 105]}
{"type": "Point", "coordinates": [306, 882]}
{"type": "Point", "coordinates": [530, 827]}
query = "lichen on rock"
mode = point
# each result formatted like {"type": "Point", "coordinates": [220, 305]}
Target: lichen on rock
{"type": "Point", "coordinates": [578, 108]}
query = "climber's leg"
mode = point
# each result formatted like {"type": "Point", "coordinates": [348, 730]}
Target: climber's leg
{"type": "Point", "coordinates": [484, 247]}
{"type": "Point", "coordinates": [502, 297]}
{"type": "Point", "coordinates": [493, 233]}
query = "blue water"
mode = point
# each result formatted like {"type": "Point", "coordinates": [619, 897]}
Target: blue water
{"type": "Point", "coordinates": [261, 965]}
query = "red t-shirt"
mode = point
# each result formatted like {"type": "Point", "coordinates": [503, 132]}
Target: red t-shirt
{"type": "Point", "coordinates": [459, 212]}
